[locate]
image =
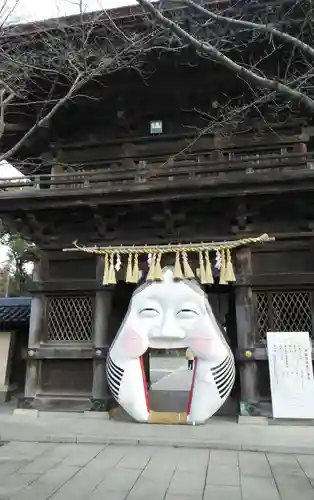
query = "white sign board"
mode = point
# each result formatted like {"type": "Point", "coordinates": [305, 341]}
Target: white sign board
{"type": "Point", "coordinates": [291, 374]}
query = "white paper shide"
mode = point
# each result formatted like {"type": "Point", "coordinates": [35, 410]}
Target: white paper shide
{"type": "Point", "coordinates": [291, 374]}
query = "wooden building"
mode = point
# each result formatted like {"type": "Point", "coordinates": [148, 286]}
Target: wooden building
{"type": "Point", "coordinates": [110, 181]}
{"type": "Point", "coordinates": [14, 326]}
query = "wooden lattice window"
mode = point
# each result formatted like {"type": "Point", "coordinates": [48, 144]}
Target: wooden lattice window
{"type": "Point", "coordinates": [289, 311]}
{"type": "Point", "coordinates": [70, 318]}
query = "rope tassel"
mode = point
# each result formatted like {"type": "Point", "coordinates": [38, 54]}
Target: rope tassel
{"type": "Point", "coordinates": [158, 276]}
{"type": "Point", "coordinates": [112, 280]}
{"type": "Point", "coordinates": [222, 279]}
{"type": "Point", "coordinates": [106, 270]}
{"type": "Point", "coordinates": [229, 274]}
{"type": "Point", "coordinates": [151, 272]}
{"type": "Point", "coordinates": [136, 270]}
{"type": "Point", "coordinates": [129, 274]}
{"type": "Point", "coordinates": [209, 279]}
{"type": "Point", "coordinates": [202, 273]}
{"type": "Point", "coordinates": [187, 270]}
{"type": "Point", "coordinates": [177, 271]}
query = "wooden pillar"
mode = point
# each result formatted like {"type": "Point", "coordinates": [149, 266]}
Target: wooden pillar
{"type": "Point", "coordinates": [246, 326]}
{"type": "Point", "coordinates": [100, 400]}
{"type": "Point", "coordinates": [36, 328]}
{"type": "Point", "coordinates": [31, 383]}
{"type": "Point", "coordinates": [36, 322]}
{"type": "Point", "coordinates": [56, 170]}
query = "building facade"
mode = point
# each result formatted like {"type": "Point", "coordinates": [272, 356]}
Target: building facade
{"type": "Point", "coordinates": [110, 179]}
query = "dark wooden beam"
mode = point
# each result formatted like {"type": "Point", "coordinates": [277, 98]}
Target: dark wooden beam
{"type": "Point", "coordinates": [282, 280]}
{"type": "Point", "coordinates": [80, 351]}
{"type": "Point", "coordinates": [173, 143]}
{"type": "Point", "coordinates": [59, 286]}
{"type": "Point", "coordinates": [290, 181]}
{"type": "Point", "coordinates": [17, 127]}
{"type": "Point", "coordinates": [259, 353]}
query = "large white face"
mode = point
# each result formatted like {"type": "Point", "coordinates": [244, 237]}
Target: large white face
{"type": "Point", "coordinates": [168, 315]}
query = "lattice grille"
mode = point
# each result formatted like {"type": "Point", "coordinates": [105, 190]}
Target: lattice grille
{"type": "Point", "coordinates": [70, 318]}
{"type": "Point", "coordinates": [262, 316]}
{"type": "Point", "coordinates": [283, 311]}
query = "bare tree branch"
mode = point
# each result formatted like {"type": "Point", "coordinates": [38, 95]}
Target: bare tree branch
{"type": "Point", "coordinates": [50, 68]}
{"type": "Point", "coordinates": [43, 67]}
{"type": "Point", "coordinates": [265, 28]}
{"type": "Point", "coordinates": [77, 83]}
{"type": "Point", "coordinates": [207, 49]}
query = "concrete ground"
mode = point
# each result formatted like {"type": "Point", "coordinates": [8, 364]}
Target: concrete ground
{"type": "Point", "coordinates": [170, 374]}
{"type": "Point", "coordinates": [170, 383]}
{"type": "Point", "coordinates": [218, 433]}
{"type": "Point", "coordinates": [43, 471]}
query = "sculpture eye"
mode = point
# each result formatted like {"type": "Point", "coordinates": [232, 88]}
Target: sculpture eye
{"type": "Point", "coordinates": [149, 311]}
{"type": "Point", "coordinates": [187, 313]}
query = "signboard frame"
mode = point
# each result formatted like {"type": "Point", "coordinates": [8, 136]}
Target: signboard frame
{"type": "Point", "coordinates": [291, 374]}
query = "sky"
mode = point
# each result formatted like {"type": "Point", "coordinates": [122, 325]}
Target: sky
{"type": "Point", "coordinates": [34, 10]}
{"type": "Point", "coordinates": [6, 170]}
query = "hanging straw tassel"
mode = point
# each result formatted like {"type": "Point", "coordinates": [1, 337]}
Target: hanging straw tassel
{"type": "Point", "coordinates": [151, 272]}
{"type": "Point", "coordinates": [129, 274]}
{"type": "Point", "coordinates": [136, 270]}
{"type": "Point", "coordinates": [201, 274]}
{"type": "Point", "coordinates": [229, 274]}
{"type": "Point", "coordinates": [158, 276]}
{"type": "Point", "coordinates": [188, 273]}
{"type": "Point", "coordinates": [106, 270]}
{"type": "Point", "coordinates": [222, 279]}
{"type": "Point", "coordinates": [209, 279]}
{"type": "Point", "coordinates": [177, 271]}
{"type": "Point", "coordinates": [112, 280]}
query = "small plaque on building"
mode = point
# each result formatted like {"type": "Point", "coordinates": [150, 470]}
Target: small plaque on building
{"type": "Point", "coordinates": [156, 127]}
{"type": "Point", "coordinates": [291, 374]}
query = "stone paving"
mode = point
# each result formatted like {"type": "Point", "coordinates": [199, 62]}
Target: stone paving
{"type": "Point", "coordinates": [93, 428]}
{"type": "Point", "coordinates": [42, 471]}
{"type": "Point", "coordinates": [166, 369]}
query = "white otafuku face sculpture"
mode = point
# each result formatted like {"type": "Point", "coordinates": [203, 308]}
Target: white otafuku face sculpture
{"type": "Point", "coordinates": [171, 314]}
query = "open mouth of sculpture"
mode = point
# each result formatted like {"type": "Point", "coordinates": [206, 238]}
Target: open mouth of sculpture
{"type": "Point", "coordinates": [169, 386]}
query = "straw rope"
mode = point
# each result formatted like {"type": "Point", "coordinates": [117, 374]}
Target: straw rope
{"type": "Point", "coordinates": [166, 249]}
{"type": "Point", "coordinates": [181, 252]}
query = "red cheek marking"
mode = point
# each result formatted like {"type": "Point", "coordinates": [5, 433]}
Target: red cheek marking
{"type": "Point", "coordinates": [204, 344]}
{"type": "Point", "coordinates": [201, 344]}
{"type": "Point", "coordinates": [133, 344]}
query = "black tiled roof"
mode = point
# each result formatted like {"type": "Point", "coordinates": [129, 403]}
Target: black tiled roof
{"type": "Point", "coordinates": [14, 311]}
